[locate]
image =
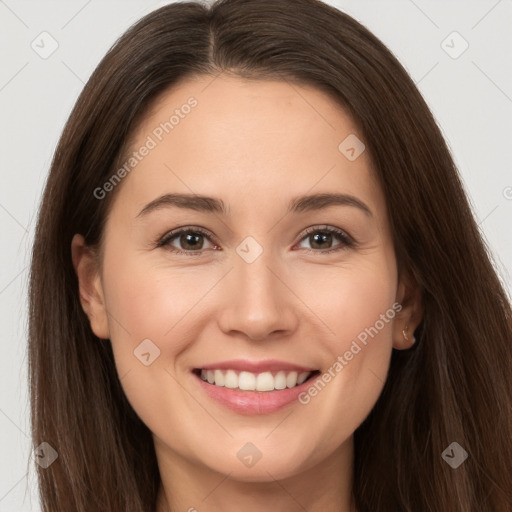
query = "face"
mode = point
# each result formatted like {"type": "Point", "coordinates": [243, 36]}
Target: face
{"type": "Point", "coordinates": [256, 287]}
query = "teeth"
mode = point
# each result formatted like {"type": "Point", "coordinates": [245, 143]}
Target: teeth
{"type": "Point", "coordinates": [247, 381]}
{"type": "Point", "coordinates": [280, 380]}
{"type": "Point", "coordinates": [302, 377]}
{"type": "Point", "coordinates": [291, 380]}
{"type": "Point", "coordinates": [219, 378]}
{"type": "Point", "coordinates": [264, 382]}
{"type": "Point", "coordinates": [231, 379]}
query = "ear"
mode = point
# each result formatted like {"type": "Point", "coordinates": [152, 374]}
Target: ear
{"type": "Point", "coordinates": [90, 286]}
{"type": "Point", "coordinates": [411, 314]}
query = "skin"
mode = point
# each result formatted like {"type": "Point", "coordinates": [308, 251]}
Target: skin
{"type": "Point", "coordinates": [255, 145]}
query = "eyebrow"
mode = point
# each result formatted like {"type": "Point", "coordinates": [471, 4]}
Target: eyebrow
{"type": "Point", "coordinates": [213, 205]}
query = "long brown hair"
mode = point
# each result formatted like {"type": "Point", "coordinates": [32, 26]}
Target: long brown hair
{"type": "Point", "coordinates": [454, 386]}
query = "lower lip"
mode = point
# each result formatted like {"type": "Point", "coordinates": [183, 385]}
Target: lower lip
{"type": "Point", "coordinates": [253, 402]}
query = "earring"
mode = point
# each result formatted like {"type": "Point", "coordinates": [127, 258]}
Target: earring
{"type": "Point", "coordinates": [404, 332]}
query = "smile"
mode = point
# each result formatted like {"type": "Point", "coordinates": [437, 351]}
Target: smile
{"type": "Point", "coordinates": [251, 388]}
{"type": "Point", "coordinates": [249, 381]}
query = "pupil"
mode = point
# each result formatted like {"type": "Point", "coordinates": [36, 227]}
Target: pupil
{"type": "Point", "coordinates": [190, 238]}
{"type": "Point", "coordinates": [321, 238]}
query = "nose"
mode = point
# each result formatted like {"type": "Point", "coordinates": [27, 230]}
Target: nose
{"type": "Point", "coordinates": [259, 303]}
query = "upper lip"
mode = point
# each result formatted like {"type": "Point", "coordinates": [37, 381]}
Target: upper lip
{"type": "Point", "coordinates": [268, 365]}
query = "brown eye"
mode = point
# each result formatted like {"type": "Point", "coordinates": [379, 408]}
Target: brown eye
{"type": "Point", "coordinates": [187, 241]}
{"type": "Point", "coordinates": [191, 241]}
{"type": "Point", "coordinates": [323, 240]}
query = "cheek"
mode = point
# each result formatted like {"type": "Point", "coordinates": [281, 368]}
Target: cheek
{"type": "Point", "coordinates": [348, 298]}
{"type": "Point", "coordinates": [151, 301]}
{"type": "Point", "coordinates": [148, 307]}
{"type": "Point", "coordinates": [357, 305]}
{"type": "Point", "coordinates": [151, 310]}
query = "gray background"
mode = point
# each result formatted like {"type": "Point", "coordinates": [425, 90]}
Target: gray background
{"type": "Point", "coordinates": [470, 95]}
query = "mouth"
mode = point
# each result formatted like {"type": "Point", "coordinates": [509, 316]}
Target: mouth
{"type": "Point", "coordinates": [263, 382]}
{"type": "Point", "coordinates": [254, 392]}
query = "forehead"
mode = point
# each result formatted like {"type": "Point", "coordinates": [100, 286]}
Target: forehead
{"type": "Point", "coordinates": [228, 136]}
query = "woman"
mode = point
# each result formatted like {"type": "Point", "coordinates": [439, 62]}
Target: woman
{"type": "Point", "coordinates": [249, 208]}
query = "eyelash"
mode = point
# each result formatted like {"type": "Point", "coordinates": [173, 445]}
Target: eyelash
{"type": "Point", "coordinates": [346, 240]}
